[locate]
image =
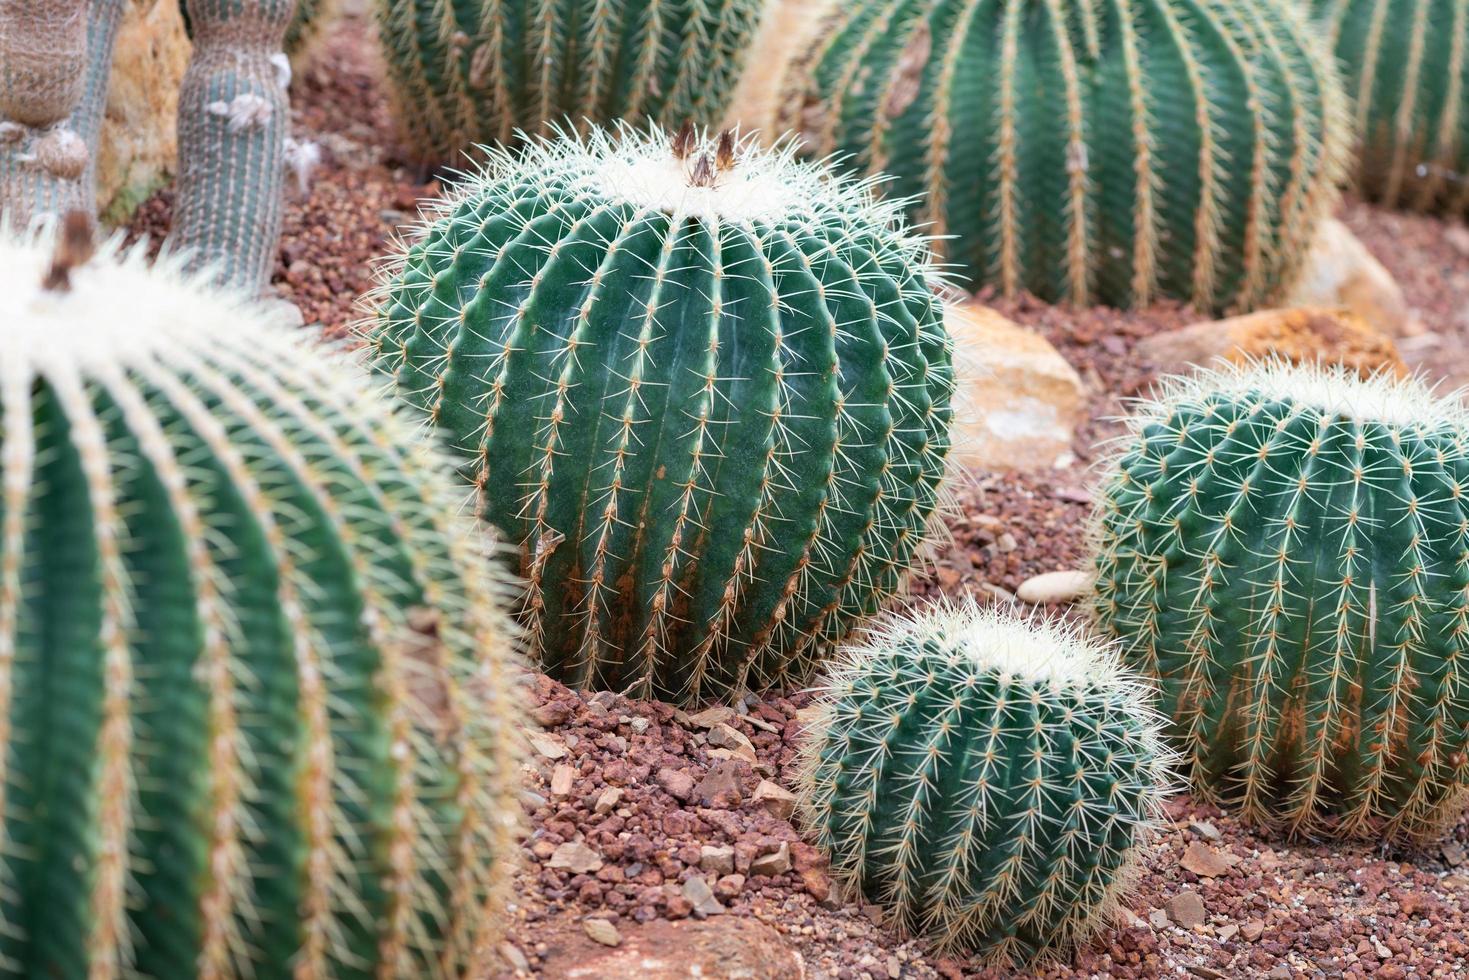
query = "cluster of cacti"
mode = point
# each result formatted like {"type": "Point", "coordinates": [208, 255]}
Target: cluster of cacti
{"type": "Point", "coordinates": [55, 58]}
{"type": "Point", "coordinates": [257, 693]}
{"type": "Point", "coordinates": [704, 388]}
{"type": "Point", "coordinates": [1087, 151]}
{"type": "Point", "coordinates": [1287, 550]}
{"type": "Point", "coordinates": [483, 70]}
{"type": "Point", "coordinates": [1406, 65]}
{"type": "Point", "coordinates": [233, 121]}
{"type": "Point", "coordinates": [986, 779]}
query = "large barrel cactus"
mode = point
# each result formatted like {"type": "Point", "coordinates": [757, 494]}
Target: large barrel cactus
{"type": "Point", "coordinates": [479, 71]}
{"type": "Point", "coordinates": [704, 388]}
{"type": "Point", "coordinates": [1287, 550]}
{"type": "Point", "coordinates": [1087, 151]}
{"type": "Point", "coordinates": [1406, 65]}
{"type": "Point", "coordinates": [257, 709]}
{"type": "Point", "coordinates": [988, 780]}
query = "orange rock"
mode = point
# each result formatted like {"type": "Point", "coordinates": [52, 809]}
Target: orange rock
{"type": "Point", "coordinates": [1301, 335]}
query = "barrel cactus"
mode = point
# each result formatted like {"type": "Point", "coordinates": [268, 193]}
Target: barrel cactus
{"type": "Point", "coordinates": [703, 387]}
{"type": "Point", "coordinates": [482, 70]}
{"type": "Point", "coordinates": [257, 710]}
{"type": "Point", "coordinates": [987, 779]}
{"type": "Point", "coordinates": [1406, 66]}
{"type": "Point", "coordinates": [1286, 549]}
{"type": "Point", "coordinates": [1088, 151]}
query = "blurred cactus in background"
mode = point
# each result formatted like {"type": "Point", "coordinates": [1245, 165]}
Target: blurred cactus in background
{"type": "Point", "coordinates": [1086, 151]}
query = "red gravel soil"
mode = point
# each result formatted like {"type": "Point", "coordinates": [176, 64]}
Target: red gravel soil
{"type": "Point", "coordinates": [662, 828]}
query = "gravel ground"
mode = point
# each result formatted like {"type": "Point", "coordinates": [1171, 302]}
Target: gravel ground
{"type": "Point", "coordinates": [671, 831]}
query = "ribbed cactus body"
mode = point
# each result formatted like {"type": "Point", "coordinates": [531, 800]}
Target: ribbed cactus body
{"type": "Point", "coordinates": [1087, 151]}
{"type": "Point", "coordinates": [1406, 67]}
{"type": "Point", "coordinates": [256, 709]}
{"type": "Point", "coordinates": [233, 121]}
{"type": "Point", "coordinates": [986, 779]}
{"type": "Point", "coordinates": [704, 389]}
{"type": "Point", "coordinates": [1287, 551]}
{"type": "Point", "coordinates": [478, 71]}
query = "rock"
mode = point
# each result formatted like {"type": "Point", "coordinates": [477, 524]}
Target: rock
{"type": "Point", "coordinates": [1227, 932]}
{"type": "Point", "coordinates": [1206, 862]}
{"type": "Point", "coordinates": [1252, 930]}
{"type": "Point", "coordinates": [513, 957]}
{"type": "Point", "coordinates": [138, 145]}
{"type": "Point", "coordinates": [1453, 853]}
{"type": "Point", "coordinates": [676, 783]}
{"type": "Point", "coordinates": [1159, 919]}
{"type": "Point", "coordinates": [1018, 400]}
{"type": "Point", "coordinates": [727, 947]}
{"type": "Point", "coordinates": [1339, 271]}
{"type": "Point", "coordinates": [717, 859]}
{"type": "Point", "coordinates": [561, 779]}
{"type": "Point", "coordinates": [778, 801]}
{"type": "Point", "coordinates": [1186, 909]}
{"type": "Point", "coordinates": [547, 746]}
{"type": "Point", "coordinates": [784, 30]}
{"type": "Point", "coordinates": [601, 931]}
{"type": "Point", "coordinates": [1458, 237]}
{"type": "Point", "coordinates": [1055, 587]}
{"type": "Point", "coordinates": [729, 886]}
{"type": "Point", "coordinates": [777, 862]}
{"type": "Point", "coordinates": [710, 717]}
{"type": "Point", "coordinates": [697, 891]}
{"type": "Point", "coordinates": [1299, 335]}
{"type": "Point", "coordinates": [724, 737]}
{"type": "Point", "coordinates": [575, 857]}
{"type": "Point", "coordinates": [721, 787]}
{"type": "Point", "coordinates": [607, 800]}
{"type": "Point", "coordinates": [1204, 829]}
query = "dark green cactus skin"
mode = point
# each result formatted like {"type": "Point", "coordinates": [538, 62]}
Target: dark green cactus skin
{"type": "Point", "coordinates": [717, 443]}
{"type": "Point", "coordinates": [1298, 581]}
{"type": "Point", "coordinates": [256, 709]}
{"type": "Point", "coordinates": [1406, 67]}
{"type": "Point", "coordinates": [1089, 151]}
{"type": "Point", "coordinates": [233, 121]}
{"type": "Point", "coordinates": [995, 811]}
{"type": "Point", "coordinates": [478, 71]}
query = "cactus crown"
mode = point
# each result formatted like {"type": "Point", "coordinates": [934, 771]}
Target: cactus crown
{"type": "Point", "coordinates": [703, 386]}
{"type": "Point", "coordinates": [986, 778]}
{"type": "Point", "coordinates": [1286, 548]}
{"type": "Point", "coordinates": [257, 710]}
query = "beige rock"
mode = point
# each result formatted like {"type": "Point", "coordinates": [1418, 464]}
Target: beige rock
{"type": "Point", "coordinates": [728, 946]}
{"type": "Point", "coordinates": [1186, 909]}
{"type": "Point", "coordinates": [1018, 400]}
{"type": "Point", "coordinates": [601, 931]}
{"type": "Point", "coordinates": [777, 862]}
{"type": "Point", "coordinates": [778, 801]}
{"type": "Point", "coordinates": [1339, 271]}
{"type": "Point", "coordinates": [139, 140]}
{"type": "Point", "coordinates": [1054, 587]}
{"type": "Point", "coordinates": [575, 857]}
{"type": "Point", "coordinates": [561, 780]}
{"type": "Point", "coordinates": [1300, 335]}
{"type": "Point", "coordinates": [1207, 862]}
{"type": "Point", "coordinates": [786, 28]}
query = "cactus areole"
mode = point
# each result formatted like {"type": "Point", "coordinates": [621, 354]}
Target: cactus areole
{"type": "Point", "coordinates": [988, 780]}
{"type": "Point", "coordinates": [703, 387]}
{"type": "Point", "coordinates": [1287, 550]}
{"type": "Point", "coordinates": [256, 711]}
{"type": "Point", "coordinates": [1113, 152]}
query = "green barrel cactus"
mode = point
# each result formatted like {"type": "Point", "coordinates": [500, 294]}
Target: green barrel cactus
{"type": "Point", "coordinates": [1286, 549]}
{"type": "Point", "coordinates": [988, 780]}
{"type": "Point", "coordinates": [258, 715]}
{"type": "Point", "coordinates": [703, 388]}
{"type": "Point", "coordinates": [1406, 66]}
{"type": "Point", "coordinates": [1088, 151]}
{"type": "Point", "coordinates": [483, 71]}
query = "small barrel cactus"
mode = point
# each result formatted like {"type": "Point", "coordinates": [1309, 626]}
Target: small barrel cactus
{"type": "Point", "coordinates": [233, 121]}
{"type": "Point", "coordinates": [1406, 65]}
{"type": "Point", "coordinates": [1286, 549]}
{"type": "Point", "coordinates": [482, 70]}
{"type": "Point", "coordinates": [703, 387]}
{"type": "Point", "coordinates": [1086, 151]}
{"type": "Point", "coordinates": [257, 709]}
{"type": "Point", "coordinates": [986, 779]}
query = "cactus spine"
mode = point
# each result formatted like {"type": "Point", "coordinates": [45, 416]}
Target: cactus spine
{"type": "Point", "coordinates": [55, 60]}
{"type": "Point", "coordinates": [703, 387]}
{"type": "Point", "coordinates": [1092, 152]}
{"type": "Point", "coordinates": [257, 714]}
{"type": "Point", "coordinates": [987, 779]}
{"type": "Point", "coordinates": [233, 122]}
{"type": "Point", "coordinates": [478, 72]}
{"type": "Point", "coordinates": [1406, 65]}
{"type": "Point", "coordinates": [1287, 550]}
